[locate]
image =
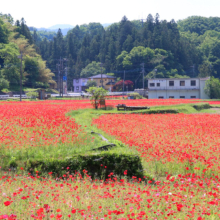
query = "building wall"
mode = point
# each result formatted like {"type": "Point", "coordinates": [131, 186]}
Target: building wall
{"type": "Point", "coordinates": [79, 84]}
{"type": "Point", "coordinates": [176, 94]}
{"type": "Point", "coordinates": [164, 84]}
{"type": "Point", "coordinates": [162, 88]}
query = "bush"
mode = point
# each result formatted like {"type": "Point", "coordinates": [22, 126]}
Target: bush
{"type": "Point", "coordinates": [201, 106]}
{"type": "Point", "coordinates": [98, 165]}
{"type": "Point", "coordinates": [136, 95]}
{"type": "Point", "coordinates": [32, 95]}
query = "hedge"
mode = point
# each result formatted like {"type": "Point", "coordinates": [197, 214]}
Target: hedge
{"type": "Point", "coordinates": [94, 163]}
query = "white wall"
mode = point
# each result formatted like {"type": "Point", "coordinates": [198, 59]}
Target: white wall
{"type": "Point", "coordinates": [164, 84]}
{"type": "Point", "coordinates": [164, 90]}
{"type": "Point", "coordinates": [176, 93]}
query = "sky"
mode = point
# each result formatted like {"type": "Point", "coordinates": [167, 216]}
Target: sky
{"type": "Point", "coordinates": [46, 13]}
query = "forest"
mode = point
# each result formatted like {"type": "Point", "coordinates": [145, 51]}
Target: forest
{"type": "Point", "coordinates": [168, 49]}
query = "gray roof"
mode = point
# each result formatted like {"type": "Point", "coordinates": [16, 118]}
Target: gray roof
{"type": "Point", "coordinates": [104, 76]}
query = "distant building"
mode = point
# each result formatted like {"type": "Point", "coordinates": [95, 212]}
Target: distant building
{"type": "Point", "coordinates": [79, 85]}
{"type": "Point", "coordinates": [187, 88]}
{"type": "Point", "coordinates": [108, 81]}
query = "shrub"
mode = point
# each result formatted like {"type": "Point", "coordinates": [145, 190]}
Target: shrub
{"type": "Point", "coordinates": [136, 95]}
{"type": "Point", "coordinates": [32, 95]}
{"type": "Point", "coordinates": [201, 106]}
{"type": "Point", "coordinates": [98, 165]}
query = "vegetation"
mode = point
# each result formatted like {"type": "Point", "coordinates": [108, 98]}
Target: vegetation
{"type": "Point", "coordinates": [91, 69]}
{"type": "Point", "coordinates": [91, 83]}
{"type": "Point", "coordinates": [135, 95]}
{"type": "Point", "coordinates": [16, 39]}
{"type": "Point", "coordinates": [212, 88]}
{"type": "Point", "coordinates": [97, 94]}
{"type": "Point", "coordinates": [183, 49]}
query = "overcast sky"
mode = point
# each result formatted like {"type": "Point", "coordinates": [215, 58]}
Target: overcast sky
{"type": "Point", "coordinates": [46, 13]}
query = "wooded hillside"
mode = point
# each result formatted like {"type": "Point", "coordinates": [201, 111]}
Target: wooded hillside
{"type": "Point", "coordinates": [15, 38]}
{"type": "Point", "coordinates": [187, 48]}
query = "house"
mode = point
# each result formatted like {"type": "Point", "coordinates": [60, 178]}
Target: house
{"type": "Point", "coordinates": [79, 85]}
{"type": "Point", "coordinates": [108, 81]}
{"type": "Point", "coordinates": [187, 88]}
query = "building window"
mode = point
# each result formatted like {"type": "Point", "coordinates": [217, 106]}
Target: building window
{"type": "Point", "coordinates": [182, 83]}
{"type": "Point", "coordinates": [171, 97]}
{"type": "Point", "coordinates": [171, 83]}
{"type": "Point", "coordinates": [182, 97]}
{"type": "Point", "coordinates": [152, 84]}
{"type": "Point", "coordinates": [77, 88]}
{"type": "Point", "coordinates": [193, 82]}
{"type": "Point", "coordinates": [77, 81]}
{"type": "Point", "coordinates": [158, 84]}
{"type": "Point", "coordinates": [160, 97]}
{"type": "Point", "coordinates": [193, 97]}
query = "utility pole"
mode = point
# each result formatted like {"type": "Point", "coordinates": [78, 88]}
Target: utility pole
{"type": "Point", "coordinates": [193, 69]}
{"type": "Point", "coordinates": [20, 57]}
{"type": "Point", "coordinates": [61, 77]}
{"type": "Point", "coordinates": [142, 21]}
{"type": "Point", "coordinates": [58, 77]}
{"type": "Point", "coordinates": [101, 64]}
{"type": "Point", "coordinates": [66, 69]}
{"type": "Point", "coordinates": [155, 72]}
{"type": "Point", "coordinates": [124, 82]}
{"type": "Point", "coordinates": [142, 64]}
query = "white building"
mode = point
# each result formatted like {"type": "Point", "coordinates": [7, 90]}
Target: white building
{"type": "Point", "coordinates": [187, 88]}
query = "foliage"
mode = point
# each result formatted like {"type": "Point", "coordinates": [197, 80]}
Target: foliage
{"type": "Point", "coordinates": [17, 39]}
{"type": "Point", "coordinates": [32, 94]}
{"type": "Point", "coordinates": [212, 88]}
{"type": "Point", "coordinates": [4, 84]}
{"type": "Point", "coordinates": [199, 24]}
{"type": "Point", "coordinates": [31, 68]}
{"type": "Point", "coordinates": [127, 85]}
{"type": "Point", "coordinates": [200, 107]}
{"type": "Point", "coordinates": [135, 95]}
{"type": "Point", "coordinates": [91, 83]}
{"type": "Point", "coordinates": [4, 32]}
{"type": "Point", "coordinates": [124, 46]}
{"type": "Point", "coordinates": [91, 163]}
{"type": "Point", "coordinates": [97, 94]}
{"type": "Point", "coordinates": [91, 69]}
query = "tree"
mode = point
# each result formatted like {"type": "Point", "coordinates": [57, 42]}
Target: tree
{"type": "Point", "coordinates": [92, 69]}
{"type": "Point", "coordinates": [97, 94]}
{"type": "Point", "coordinates": [4, 33]}
{"type": "Point", "coordinates": [31, 68]}
{"type": "Point", "coordinates": [4, 84]}
{"type": "Point", "coordinates": [212, 88]}
{"type": "Point", "coordinates": [91, 83]}
{"type": "Point", "coordinates": [128, 84]}
{"type": "Point", "coordinates": [205, 69]}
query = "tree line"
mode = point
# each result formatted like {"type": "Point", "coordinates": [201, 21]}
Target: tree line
{"type": "Point", "coordinates": [187, 48]}
{"type": "Point", "coordinates": [168, 47]}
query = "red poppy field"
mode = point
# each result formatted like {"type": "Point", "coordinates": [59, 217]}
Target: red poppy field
{"type": "Point", "coordinates": [181, 151]}
{"type": "Point", "coordinates": [171, 143]}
